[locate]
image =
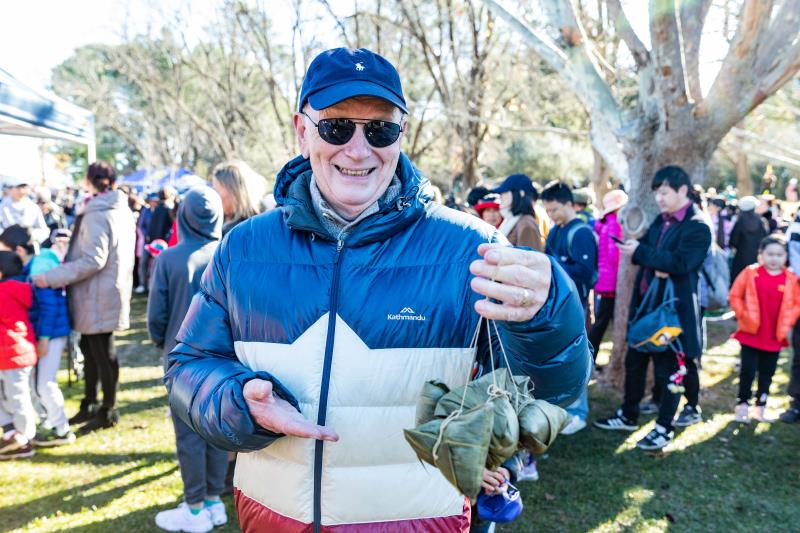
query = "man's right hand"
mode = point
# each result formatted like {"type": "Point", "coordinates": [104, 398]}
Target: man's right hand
{"type": "Point", "coordinates": [278, 415]}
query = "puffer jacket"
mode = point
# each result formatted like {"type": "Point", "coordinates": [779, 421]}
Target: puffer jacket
{"type": "Point", "coordinates": [607, 254]}
{"type": "Point", "coordinates": [347, 332]}
{"type": "Point", "coordinates": [743, 297]}
{"type": "Point", "coordinates": [49, 313]}
{"type": "Point", "coordinates": [17, 342]}
{"type": "Point", "coordinates": [99, 266]}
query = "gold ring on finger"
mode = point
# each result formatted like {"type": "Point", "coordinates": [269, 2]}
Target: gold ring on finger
{"type": "Point", "coordinates": [525, 301]}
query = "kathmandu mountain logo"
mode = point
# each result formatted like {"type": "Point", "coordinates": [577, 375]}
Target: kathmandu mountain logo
{"type": "Point", "coordinates": [405, 314]}
{"type": "Point", "coordinates": [360, 67]}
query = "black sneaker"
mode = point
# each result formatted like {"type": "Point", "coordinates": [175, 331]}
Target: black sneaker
{"type": "Point", "coordinates": [50, 437]}
{"type": "Point", "coordinates": [105, 418]}
{"type": "Point", "coordinates": [617, 422]}
{"type": "Point", "coordinates": [791, 415]}
{"type": "Point", "coordinates": [16, 447]}
{"type": "Point", "coordinates": [86, 413]}
{"type": "Point", "coordinates": [656, 439]}
{"type": "Point", "coordinates": [689, 416]}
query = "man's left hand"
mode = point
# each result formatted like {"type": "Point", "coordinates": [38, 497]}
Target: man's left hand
{"type": "Point", "coordinates": [40, 281]}
{"type": "Point", "coordinates": [518, 279]}
{"type": "Point", "coordinates": [628, 247]}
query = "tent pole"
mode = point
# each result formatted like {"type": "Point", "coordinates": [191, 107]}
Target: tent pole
{"type": "Point", "coordinates": [92, 152]}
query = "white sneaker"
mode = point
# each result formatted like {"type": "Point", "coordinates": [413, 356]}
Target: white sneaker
{"type": "Point", "coordinates": [139, 290]}
{"type": "Point", "coordinates": [218, 515]}
{"type": "Point", "coordinates": [742, 413]}
{"type": "Point", "coordinates": [182, 519]}
{"type": "Point", "coordinates": [574, 426]}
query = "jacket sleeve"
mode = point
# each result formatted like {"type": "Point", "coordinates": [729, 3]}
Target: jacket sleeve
{"type": "Point", "coordinates": [692, 249]}
{"type": "Point", "coordinates": [552, 347]}
{"type": "Point", "coordinates": [205, 379]}
{"type": "Point", "coordinates": [92, 258]}
{"type": "Point", "coordinates": [39, 231]}
{"type": "Point", "coordinates": [158, 304]}
{"type": "Point", "coordinates": [793, 236]}
{"type": "Point", "coordinates": [46, 313]}
{"type": "Point", "coordinates": [582, 266]}
{"type": "Point", "coordinates": [736, 294]}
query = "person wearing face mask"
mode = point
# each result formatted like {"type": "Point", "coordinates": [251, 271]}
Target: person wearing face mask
{"type": "Point", "coordinates": [517, 198]}
{"type": "Point", "coordinates": [317, 323]}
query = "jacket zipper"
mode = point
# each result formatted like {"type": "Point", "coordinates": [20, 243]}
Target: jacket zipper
{"type": "Point", "coordinates": [326, 378]}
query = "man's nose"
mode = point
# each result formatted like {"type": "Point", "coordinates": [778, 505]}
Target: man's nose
{"type": "Point", "coordinates": [358, 147]}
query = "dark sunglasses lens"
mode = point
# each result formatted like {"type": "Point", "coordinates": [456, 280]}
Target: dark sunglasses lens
{"type": "Point", "coordinates": [336, 131]}
{"type": "Point", "coordinates": [381, 134]}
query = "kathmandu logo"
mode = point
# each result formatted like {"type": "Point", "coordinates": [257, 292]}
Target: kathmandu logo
{"type": "Point", "coordinates": [360, 67]}
{"type": "Point", "coordinates": [406, 314]}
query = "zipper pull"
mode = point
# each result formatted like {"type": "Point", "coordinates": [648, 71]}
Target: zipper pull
{"type": "Point", "coordinates": [339, 246]}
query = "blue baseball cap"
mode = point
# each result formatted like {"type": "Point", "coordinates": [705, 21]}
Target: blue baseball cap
{"type": "Point", "coordinates": [515, 182]}
{"type": "Point", "coordinates": [341, 73]}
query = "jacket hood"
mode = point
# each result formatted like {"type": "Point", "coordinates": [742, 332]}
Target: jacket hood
{"type": "Point", "coordinates": [200, 215]}
{"type": "Point", "coordinates": [17, 291]}
{"type": "Point", "coordinates": [115, 199]}
{"type": "Point", "coordinates": [292, 194]}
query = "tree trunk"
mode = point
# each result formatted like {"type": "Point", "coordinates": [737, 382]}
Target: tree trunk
{"type": "Point", "coordinates": [601, 178]}
{"type": "Point", "coordinates": [744, 182]}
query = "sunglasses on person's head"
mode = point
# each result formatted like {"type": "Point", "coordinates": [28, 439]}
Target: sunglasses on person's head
{"type": "Point", "coordinates": [338, 131]}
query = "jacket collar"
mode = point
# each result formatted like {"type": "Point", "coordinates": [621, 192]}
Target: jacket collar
{"type": "Point", "coordinates": [292, 194]}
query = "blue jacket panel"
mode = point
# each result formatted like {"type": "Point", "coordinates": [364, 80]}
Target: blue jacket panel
{"type": "Point", "coordinates": [272, 276]}
{"type": "Point", "coordinates": [49, 314]}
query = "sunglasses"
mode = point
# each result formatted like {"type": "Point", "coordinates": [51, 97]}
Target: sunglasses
{"type": "Point", "coordinates": [339, 131]}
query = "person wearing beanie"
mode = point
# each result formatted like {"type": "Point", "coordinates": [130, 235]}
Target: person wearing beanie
{"type": "Point", "coordinates": [748, 231]}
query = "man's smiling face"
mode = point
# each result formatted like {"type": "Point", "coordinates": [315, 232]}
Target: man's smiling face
{"type": "Point", "coordinates": [353, 175]}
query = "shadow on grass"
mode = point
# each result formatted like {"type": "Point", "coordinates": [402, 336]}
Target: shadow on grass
{"type": "Point", "coordinates": [104, 459]}
{"type": "Point", "coordinates": [144, 520]}
{"type": "Point", "coordinates": [716, 476]}
{"type": "Point", "coordinates": [70, 500]}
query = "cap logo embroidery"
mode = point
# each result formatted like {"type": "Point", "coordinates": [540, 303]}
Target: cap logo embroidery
{"type": "Point", "coordinates": [360, 66]}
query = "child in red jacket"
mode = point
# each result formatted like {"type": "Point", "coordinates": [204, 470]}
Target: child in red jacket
{"type": "Point", "coordinates": [17, 359]}
{"type": "Point", "coordinates": [766, 301]}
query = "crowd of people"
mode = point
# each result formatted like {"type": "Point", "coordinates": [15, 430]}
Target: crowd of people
{"type": "Point", "coordinates": [357, 217]}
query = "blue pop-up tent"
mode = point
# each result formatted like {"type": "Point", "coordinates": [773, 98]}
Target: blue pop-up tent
{"type": "Point", "coordinates": [157, 178]}
{"type": "Point", "coordinates": [32, 113]}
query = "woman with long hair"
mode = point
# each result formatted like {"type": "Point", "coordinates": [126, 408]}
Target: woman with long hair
{"type": "Point", "coordinates": [242, 190]}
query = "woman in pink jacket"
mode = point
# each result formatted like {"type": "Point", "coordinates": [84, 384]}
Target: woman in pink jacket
{"type": "Point", "coordinates": [607, 264]}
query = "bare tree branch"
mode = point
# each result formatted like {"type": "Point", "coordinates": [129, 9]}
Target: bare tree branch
{"type": "Point", "coordinates": [624, 29]}
{"type": "Point", "coordinates": [669, 73]}
{"type": "Point", "coordinates": [692, 18]}
{"type": "Point", "coordinates": [541, 43]}
{"type": "Point", "coordinates": [581, 74]}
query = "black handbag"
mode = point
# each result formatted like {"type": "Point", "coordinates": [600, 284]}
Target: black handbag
{"type": "Point", "coordinates": [655, 326]}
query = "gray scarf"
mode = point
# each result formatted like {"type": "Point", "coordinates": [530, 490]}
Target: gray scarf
{"type": "Point", "coordinates": [335, 224]}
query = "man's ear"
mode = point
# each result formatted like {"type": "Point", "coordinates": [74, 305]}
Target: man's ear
{"type": "Point", "coordinates": [684, 189]}
{"type": "Point", "coordinates": [300, 127]}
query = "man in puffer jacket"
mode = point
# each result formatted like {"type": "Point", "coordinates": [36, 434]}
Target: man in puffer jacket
{"type": "Point", "coordinates": [317, 323]}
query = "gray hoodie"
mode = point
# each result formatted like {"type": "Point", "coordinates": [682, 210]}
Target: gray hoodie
{"type": "Point", "coordinates": [177, 271]}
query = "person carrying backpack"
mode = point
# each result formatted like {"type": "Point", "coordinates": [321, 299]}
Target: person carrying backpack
{"type": "Point", "coordinates": [572, 243]}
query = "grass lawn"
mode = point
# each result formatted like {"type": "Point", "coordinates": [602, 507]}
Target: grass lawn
{"type": "Point", "coordinates": [716, 476]}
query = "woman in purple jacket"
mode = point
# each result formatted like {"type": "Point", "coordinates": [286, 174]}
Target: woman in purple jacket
{"type": "Point", "coordinates": [607, 265]}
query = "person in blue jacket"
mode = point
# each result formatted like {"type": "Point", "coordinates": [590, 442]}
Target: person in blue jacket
{"type": "Point", "coordinates": [317, 323]}
{"type": "Point", "coordinates": [50, 320]}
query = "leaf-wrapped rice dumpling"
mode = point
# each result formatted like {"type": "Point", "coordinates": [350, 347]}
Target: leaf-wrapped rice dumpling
{"type": "Point", "coordinates": [432, 392]}
{"type": "Point", "coordinates": [540, 423]}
